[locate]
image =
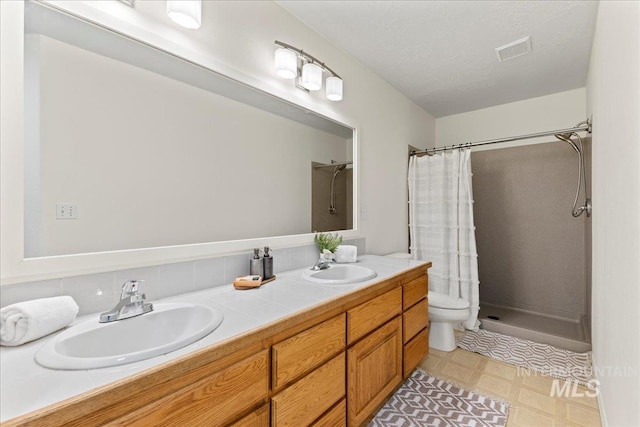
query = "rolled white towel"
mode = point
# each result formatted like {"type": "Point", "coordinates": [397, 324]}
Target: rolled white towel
{"type": "Point", "coordinates": [29, 320]}
{"type": "Point", "coordinates": [346, 253]}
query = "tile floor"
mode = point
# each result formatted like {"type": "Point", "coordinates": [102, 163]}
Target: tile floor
{"type": "Point", "coordinates": [529, 395]}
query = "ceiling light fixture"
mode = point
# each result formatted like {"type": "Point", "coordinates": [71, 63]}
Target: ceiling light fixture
{"type": "Point", "coordinates": [293, 63]}
{"type": "Point", "coordinates": [187, 13]}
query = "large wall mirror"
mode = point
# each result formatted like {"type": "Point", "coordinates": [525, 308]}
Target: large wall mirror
{"type": "Point", "coordinates": [127, 146]}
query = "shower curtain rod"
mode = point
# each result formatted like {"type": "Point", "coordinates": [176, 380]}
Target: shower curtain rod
{"type": "Point", "coordinates": [582, 128]}
{"type": "Point", "coordinates": [333, 164]}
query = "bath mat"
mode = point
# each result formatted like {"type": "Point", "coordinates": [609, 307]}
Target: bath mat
{"type": "Point", "coordinates": [424, 400]}
{"type": "Point", "coordinates": [542, 358]}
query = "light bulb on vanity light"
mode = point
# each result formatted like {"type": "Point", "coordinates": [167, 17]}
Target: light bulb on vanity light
{"type": "Point", "coordinates": [187, 13]}
{"type": "Point", "coordinates": [334, 88]}
{"type": "Point", "coordinates": [311, 77]}
{"type": "Point", "coordinates": [286, 63]}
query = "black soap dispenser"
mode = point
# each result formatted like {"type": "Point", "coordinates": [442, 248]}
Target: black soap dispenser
{"type": "Point", "coordinates": [256, 267]}
{"type": "Point", "coordinates": [268, 263]}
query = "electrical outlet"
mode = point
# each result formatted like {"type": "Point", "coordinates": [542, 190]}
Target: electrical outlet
{"type": "Point", "coordinates": [66, 211]}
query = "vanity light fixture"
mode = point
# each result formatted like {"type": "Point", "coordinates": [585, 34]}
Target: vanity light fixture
{"type": "Point", "coordinates": [294, 63]}
{"type": "Point", "coordinates": [187, 13]}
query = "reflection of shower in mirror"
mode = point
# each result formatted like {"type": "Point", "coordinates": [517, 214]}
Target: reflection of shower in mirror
{"type": "Point", "coordinates": [332, 203]}
{"type": "Point", "coordinates": [337, 168]}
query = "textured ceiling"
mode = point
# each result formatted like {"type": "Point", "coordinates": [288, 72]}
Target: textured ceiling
{"type": "Point", "coordinates": [441, 53]}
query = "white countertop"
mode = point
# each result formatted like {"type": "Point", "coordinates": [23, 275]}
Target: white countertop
{"type": "Point", "coordinates": [26, 386]}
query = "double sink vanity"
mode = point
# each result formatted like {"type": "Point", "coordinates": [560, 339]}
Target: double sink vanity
{"type": "Point", "coordinates": [301, 350]}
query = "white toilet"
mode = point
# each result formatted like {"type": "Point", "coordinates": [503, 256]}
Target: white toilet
{"type": "Point", "coordinates": [444, 312]}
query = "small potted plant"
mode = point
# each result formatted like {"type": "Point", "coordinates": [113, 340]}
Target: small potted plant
{"type": "Point", "coordinates": [327, 243]}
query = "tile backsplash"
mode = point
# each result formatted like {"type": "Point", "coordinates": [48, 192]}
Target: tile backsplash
{"type": "Point", "coordinates": [100, 292]}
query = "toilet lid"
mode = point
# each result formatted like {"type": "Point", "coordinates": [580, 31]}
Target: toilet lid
{"type": "Point", "coordinates": [439, 300]}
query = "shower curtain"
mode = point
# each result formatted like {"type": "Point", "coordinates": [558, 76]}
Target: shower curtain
{"type": "Point", "coordinates": [441, 225]}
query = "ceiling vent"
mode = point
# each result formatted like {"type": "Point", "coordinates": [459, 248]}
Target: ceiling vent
{"type": "Point", "coordinates": [514, 49]}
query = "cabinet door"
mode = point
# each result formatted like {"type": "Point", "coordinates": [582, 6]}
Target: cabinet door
{"type": "Point", "coordinates": [374, 370]}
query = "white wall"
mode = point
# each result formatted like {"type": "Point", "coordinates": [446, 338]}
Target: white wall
{"type": "Point", "coordinates": [613, 90]}
{"type": "Point", "coordinates": [195, 167]}
{"type": "Point", "coordinates": [556, 111]}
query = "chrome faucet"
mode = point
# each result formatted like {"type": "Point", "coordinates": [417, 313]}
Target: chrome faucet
{"type": "Point", "coordinates": [321, 265]}
{"type": "Point", "coordinates": [131, 304]}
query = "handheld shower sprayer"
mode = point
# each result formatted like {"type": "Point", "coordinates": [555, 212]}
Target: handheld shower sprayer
{"type": "Point", "coordinates": [582, 177]}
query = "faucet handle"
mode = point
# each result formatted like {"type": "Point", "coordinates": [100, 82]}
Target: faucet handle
{"type": "Point", "coordinates": [130, 288]}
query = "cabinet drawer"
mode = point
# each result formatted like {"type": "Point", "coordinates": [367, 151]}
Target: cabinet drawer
{"type": "Point", "coordinates": [336, 417]}
{"type": "Point", "coordinates": [213, 400]}
{"type": "Point", "coordinates": [366, 317]}
{"type": "Point", "coordinates": [304, 401]}
{"type": "Point", "coordinates": [415, 350]}
{"type": "Point", "coordinates": [374, 370]}
{"type": "Point", "coordinates": [307, 350]}
{"type": "Point", "coordinates": [415, 319]}
{"type": "Point", "coordinates": [414, 291]}
{"type": "Point", "coordinates": [258, 418]}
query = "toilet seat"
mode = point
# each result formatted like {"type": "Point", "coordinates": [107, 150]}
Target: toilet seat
{"type": "Point", "coordinates": [439, 300]}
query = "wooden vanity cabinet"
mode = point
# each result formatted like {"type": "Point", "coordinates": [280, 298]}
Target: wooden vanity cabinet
{"type": "Point", "coordinates": [330, 366]}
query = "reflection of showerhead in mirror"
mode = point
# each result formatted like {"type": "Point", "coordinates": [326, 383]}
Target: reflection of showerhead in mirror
{"type": "Point", "coordinates": [338, 169]}
{"type": "Point", "coordinates": [332, 203]}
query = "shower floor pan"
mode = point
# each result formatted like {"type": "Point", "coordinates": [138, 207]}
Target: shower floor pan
{"type": "Point", "coordinates": [564, 333]}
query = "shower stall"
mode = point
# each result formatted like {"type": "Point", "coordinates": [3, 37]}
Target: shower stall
{"type": "Point", "coordinates": [534, 247]}
{"type": "Point", "coordinates": [534, 255]}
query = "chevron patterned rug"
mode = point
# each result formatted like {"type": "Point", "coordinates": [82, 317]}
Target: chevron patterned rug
{"type": "Point", "coordinates": [542, 358]}
{"type": "Point", "coordinates": [424, 400]}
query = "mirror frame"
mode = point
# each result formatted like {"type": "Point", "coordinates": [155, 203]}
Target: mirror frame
{"type": "Point", "coordinates": [14, 268]}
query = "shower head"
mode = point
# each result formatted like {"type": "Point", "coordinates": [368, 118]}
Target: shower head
{"type": "Point", "coordinates": [566, 137]}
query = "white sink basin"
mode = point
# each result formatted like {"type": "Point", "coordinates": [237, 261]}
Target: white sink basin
{"type": "Point", "coordinates": [338, 274]}
{"type": "Point", "coordinates": [90, 344]}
